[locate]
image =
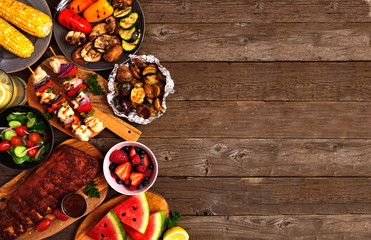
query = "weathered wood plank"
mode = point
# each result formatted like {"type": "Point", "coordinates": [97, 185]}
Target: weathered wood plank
{"type": "Point", "coordinates": [266, 196]}
{"type": "Point", "coordinates": [258, 42]}
{"type": "Point", "coordinates": [278, 81]}
{"type": "Point", "coordinates": [241, 119]}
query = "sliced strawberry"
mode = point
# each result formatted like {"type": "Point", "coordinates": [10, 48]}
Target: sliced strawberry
{"type": "Point", "coordinates": [136, 178]}
{"type": "Point", "coordinates": [141, 168]}
{"type": "Point", "coordinates": [148, 172]}
{"type": "Point", "coordinates": [123, 171]}
{"type": "Point", "coordinates": [136, 159]}
{"type": "Point", "coordinates": [132, 152]}
{"type": "Point", "coordinates": [146, 160]}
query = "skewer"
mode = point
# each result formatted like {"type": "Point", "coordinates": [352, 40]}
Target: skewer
{"type": "Point", "coordinates": [31, 70]}
{"type": "Point", "coordinates": [51, 49]}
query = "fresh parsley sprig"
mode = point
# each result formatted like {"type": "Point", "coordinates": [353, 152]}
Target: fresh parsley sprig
{"type": "Point", "coordinates": [90, 190]}
{"type": "Point", "coordinates": [93, 85]}
{"type": "Point", "coordinates": [172, 220]}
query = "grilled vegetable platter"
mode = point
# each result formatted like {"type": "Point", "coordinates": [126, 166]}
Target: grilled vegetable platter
{"type": "Point", "coordinates": [26, 26]}
{"type": "Point", "coordinates": [44, 218]}
{"type": "Point", "coordinates": [74, 100]}
{"type": "Point", "coordinates": [97, 34]}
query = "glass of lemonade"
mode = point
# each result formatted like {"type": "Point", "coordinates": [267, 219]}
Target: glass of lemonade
{"type": "Point", "coordinates": [12, 90]}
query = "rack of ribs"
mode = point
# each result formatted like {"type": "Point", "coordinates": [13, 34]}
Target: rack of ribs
{"type": "Point", "coordinates": [66, 170]}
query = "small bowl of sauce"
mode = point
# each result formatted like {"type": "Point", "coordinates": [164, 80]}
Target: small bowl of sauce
{"type": "Point", "coordinates": [74, 205]}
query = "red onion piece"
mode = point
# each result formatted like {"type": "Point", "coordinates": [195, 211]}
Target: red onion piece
{"type": "Point", "coordinates": [68, 121]}
{"type": "Point", "coordinates": [28, 149]}
{"type": "Point", "coordinates": [41, 83]}
{"type": "Point", "coordinates": [18, 113]}
{"type": "Point", "coordinates": [6, 129]}
{"type": "Point", "coordinates": [85, 101]}
{"type": "Point", "coordinates": [38, 152]}
{"type": "Point", "coordinates": [24, 141]}
{"type": "Point", "coordinates": [65, 69]}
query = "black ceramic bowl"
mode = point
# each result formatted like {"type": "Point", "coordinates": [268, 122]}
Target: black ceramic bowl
{"type": "Point", "coordinates": [5, 158]}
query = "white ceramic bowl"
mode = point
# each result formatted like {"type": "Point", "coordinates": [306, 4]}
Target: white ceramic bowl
{"type": "Point", "coordinates": [121, 188]}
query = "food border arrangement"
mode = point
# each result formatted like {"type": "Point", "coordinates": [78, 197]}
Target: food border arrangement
{"type": "Point", "coordinates": [65, 183]}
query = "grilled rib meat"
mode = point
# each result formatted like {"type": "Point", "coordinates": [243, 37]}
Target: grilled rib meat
{"type": "Point", "coordinates": [66, 170]}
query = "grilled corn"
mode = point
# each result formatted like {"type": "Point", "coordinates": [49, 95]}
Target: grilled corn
{"type": "Point", "coordinates": [26, 17]}
{"type": "Point", "coordinates": [14, 41]}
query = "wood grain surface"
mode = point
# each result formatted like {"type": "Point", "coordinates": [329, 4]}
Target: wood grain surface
{"type": "Point", "coordinates": [155, 202]}
{"type": "Point", "coordinates": [267, 135]}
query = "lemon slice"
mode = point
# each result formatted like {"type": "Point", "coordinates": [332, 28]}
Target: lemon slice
{"type": "Point", "coordinates": [176, 233]}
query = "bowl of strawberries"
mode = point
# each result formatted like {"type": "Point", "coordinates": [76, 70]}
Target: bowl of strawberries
{"type": "Point", "coordinates": [130, 168]}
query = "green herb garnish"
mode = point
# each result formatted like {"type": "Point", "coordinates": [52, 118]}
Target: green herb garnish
{"type": "Point", "coordinates": [3, 199]}
{"type": "Point", "coordinates": [172, 220]}
{"type": "Point", "coordinates": [90, 190]}
{"type": "Point", "coordinates": [48, 115]}
{"type": "Point", "coordinates": [93, 85]}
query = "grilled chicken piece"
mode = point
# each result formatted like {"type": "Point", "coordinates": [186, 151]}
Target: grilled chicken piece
{"type": "Point", "coordinates": [66, 170]}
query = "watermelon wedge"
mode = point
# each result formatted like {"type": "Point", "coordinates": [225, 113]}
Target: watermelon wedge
{"type": "Point", "coordinates": [154, 229]}
{"type": "Point", "coordinates": [109, 227]}
{"type": "Point", "coordinates": [134, 212]}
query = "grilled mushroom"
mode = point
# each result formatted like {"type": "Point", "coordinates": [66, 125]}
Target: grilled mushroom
{"type": "Point", "coordinates": [97, 30]}
{"type": "Point", "coordinates": [104, 42]}
{"type": "Point", "coordinates": [114, 53]}
{"type": "Point", "coordinates": [112, 26]}
{"type": "Point", "coordinates": [121, 3]}
{"type": "Point", "coordinates": [77, 58]}
{"type": "Point", "coordinates": [75, 38]}
{"type": "Point", "coordinates": [89, 54]}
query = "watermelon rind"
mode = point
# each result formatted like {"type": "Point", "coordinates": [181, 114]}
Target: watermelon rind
{"type": "Point", "coordinates": [159, 219]}
{"type": "Point", "coordinates": [154, 230]}
{"type": "Point", "coordinates": [124, 209]}
{"type": "Point", "coordinates": [100, 231]}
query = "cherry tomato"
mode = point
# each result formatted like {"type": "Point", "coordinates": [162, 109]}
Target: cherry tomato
{"type": "Point", "coordinates": [21, 131]}
{"type": "Point", "coordinates": [29, 143]}
{"type": "Point", "coordinates": [4, 145]}
{"type": "Point", "coordinates": [15, 141]}
{"type": "Point", "coordinates": [43, 225]}
{"type": "Point", "coordinates": [32, 152]}
{"type": "Point", "coordinates": [34, 137]}
{"type": "Point", "coordinates": [58, 213]}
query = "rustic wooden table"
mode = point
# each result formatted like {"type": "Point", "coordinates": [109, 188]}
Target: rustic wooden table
{"type": "Point", "coordinates": [268, 134]}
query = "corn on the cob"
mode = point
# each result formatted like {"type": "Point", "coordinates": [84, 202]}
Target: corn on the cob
{"type": "Point", "coordinates": [14, 41]}
{"type": "Point", "coordinates": [26, 17]}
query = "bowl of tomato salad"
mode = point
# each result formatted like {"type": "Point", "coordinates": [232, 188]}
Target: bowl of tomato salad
{"type": "Point", "coordinates": [26, 137]}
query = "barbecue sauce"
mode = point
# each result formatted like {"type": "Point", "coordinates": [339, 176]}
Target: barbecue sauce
{"type": "Point", "coordinates": [74, 205]}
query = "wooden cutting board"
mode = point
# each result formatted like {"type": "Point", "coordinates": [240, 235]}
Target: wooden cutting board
{"type": "Point", "coordinates": [155, 201]}
{"type": "Point", "coordinates": [57, 225]}
{"type": "Point", "coordinates": [102, 110]}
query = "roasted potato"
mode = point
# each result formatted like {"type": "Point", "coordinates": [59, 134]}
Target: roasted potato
{"type": "Point", "coordinates": [157, 105]}
{"type": "Point", "coordinates": [151, 79]}
{"type": "Point", "coordinates": [124, 74]}
{"type": "Point", "coordinates": [137, 94]}
{"type": "Point", "coordinates": [156, 90]}
{"type": "Point", "coordinates": [113, 54]}
{"type": "Point", "coordinates": [148, 89]}
{"type": "Point", "coordinates": [150, 69]}
{"type": "Point", "coordinates": [144, 111]}
{"type": "Point", "coordinates": [140, 63]}
{"type": "Point", "coordinates": [134, 71]}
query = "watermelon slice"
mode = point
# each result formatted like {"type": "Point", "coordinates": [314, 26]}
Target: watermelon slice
{"type": "Point", "coordinates": [134, 212]}
{"type": "Point", "coordinates": [109, 227]}
{"type": "Point", "coordinates": [154, 229]}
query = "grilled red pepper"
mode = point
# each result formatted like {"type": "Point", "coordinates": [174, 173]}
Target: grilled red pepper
{"type": "Point", "coordinates": [85, 108]}
{"type": "Point", "coordinates": [56, 105]}
{"type": "Point", "coordinates": [71, 73]}
{"type": "Point", "coordinates": [73, 21]}
{"type": "Point", "coordinates": [45, 86]}
{"type": "Point", "coordinates": [73, 92]}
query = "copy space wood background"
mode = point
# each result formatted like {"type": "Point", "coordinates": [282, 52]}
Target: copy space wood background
{"type": "Point", "coordinates": [268, 134]}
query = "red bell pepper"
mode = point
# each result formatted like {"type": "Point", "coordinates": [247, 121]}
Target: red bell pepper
{"type": "Point", "coordinates": [71, 73]}
{"type": "Point", "coordinates": [46, 85]}
{"type": "Point", "coordinates": [76, 120]}
{"type": "Point", "coordinates": [73, 92]}
{"type": "Point", "coordinates": [85, 108]}
{"type": "Point", "coordinates": [56, 105]}
{"type": "Point", "coordinates": [74, 21]}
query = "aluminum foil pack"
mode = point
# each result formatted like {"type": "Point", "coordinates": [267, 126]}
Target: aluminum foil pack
{"type": "Point", "coordinates": [133, 116]}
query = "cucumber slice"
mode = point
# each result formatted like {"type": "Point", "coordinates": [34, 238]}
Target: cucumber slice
{"type": "Point", "coordinates": [31, 122]}
{"type": "Point", "coordinates": [130, 21]}
{"type": "Point", "coordinates": [14, 124]}
{"type": "Point", "coordinates": [18, 151]}
{"type": "Point", "coordinates": [121, 13]}
{"type": "Point", "coordinates": [9, 134]}
{"type": "Point", "coordinates": [127, 34]}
